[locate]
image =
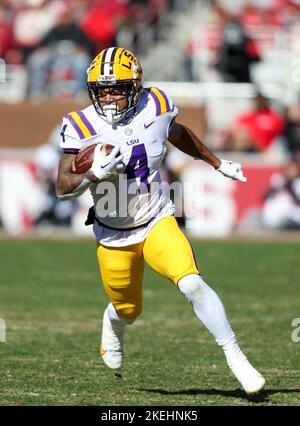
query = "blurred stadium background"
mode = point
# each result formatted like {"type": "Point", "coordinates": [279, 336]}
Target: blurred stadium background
{"type": "Point", "coordinates": [233, 69]}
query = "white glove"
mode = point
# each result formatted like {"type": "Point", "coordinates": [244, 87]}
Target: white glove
{"type": "Point", "coordinates": [232, 170]}
{"type": "Point", "coordinates": [104, 166]}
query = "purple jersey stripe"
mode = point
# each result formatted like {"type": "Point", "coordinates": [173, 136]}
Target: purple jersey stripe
{"type": "Point", "coordinates": [87, 123]}
{"type": "Point", "coordinates": [75, 125]}
{"type": "Point", "coordinates": [165, 98]}
{"type": "Point", "coordinates": [71, 150]}
{"type": "Point", "coordinates": [170, 127]}
{"type": "Point", "coordinates": [157, 103]}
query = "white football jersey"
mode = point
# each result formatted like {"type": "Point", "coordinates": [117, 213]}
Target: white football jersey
{"type": "Point", "coordinates": [132, 201]}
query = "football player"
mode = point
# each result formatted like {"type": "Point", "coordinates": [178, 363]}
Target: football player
{"type": "Point", "coordinates": [138, 121]}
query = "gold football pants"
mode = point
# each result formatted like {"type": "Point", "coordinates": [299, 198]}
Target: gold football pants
{"type": "Point", "coordinates": [165, 249]}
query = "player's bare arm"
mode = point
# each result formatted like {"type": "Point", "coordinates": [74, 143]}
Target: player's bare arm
{"type": "Point", "coordinates": [72, 184]}
{"type": "Point", "coordinates": [67, 181]}
{"type": "Point", "coordinates": [68, 184]}
{"type": "Point", "coordinates": [185, 139]}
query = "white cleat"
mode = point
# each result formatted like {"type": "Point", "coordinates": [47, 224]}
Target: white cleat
{"type": "Point", "coordinates": [251, 380]}
{"type": "Point", "coordinates": [111, 349]}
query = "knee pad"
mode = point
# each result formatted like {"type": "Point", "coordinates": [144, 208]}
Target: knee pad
{"type": "Point", "coordinates": [130, 313]}
{"type": "Point", "coordinates": [191, 286]}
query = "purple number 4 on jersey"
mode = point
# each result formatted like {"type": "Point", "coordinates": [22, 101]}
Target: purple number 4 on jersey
{"type": "Point", "coordinates": [137, 166]}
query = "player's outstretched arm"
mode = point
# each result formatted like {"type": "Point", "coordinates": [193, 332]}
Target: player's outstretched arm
{"type": "Point", "coordinates": [68, 184]}
{"type": "Point", "coordinates": [185, 139]}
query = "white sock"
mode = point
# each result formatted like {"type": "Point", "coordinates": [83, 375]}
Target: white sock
{"type": "Point", "coordinates": [114, 317]}
{"type": "Point", "coordinates": [210, 311]}
{"type": "Point", "coordinates": [112, 329]}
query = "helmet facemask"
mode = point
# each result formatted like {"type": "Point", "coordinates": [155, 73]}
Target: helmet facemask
{"type": "Point", "coordinates": [109, 110]}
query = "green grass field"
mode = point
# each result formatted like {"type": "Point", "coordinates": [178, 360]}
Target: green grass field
{"type": "Point", "coordinates": [52, 301]}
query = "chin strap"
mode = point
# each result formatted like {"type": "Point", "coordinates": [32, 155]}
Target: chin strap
{"type": "Point", "coordinates": [112, 114]}
{"type": "Point", "coordinates": [109, 114]}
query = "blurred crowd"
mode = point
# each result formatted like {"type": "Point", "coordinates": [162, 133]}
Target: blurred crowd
{"type": "Point", "coordinates": [236, 35]}
{"type": "Point", "coordinates": [256, 42]}
{"type": "Point", "coordinates": [263, 128]}
{"type": "Point", "coordinates": [281, 208]}
{"type": "Point", "coordinates": [56, 39]}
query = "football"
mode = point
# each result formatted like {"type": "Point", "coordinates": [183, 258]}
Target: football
{"type": "Point", "coordinates": [84, 159]}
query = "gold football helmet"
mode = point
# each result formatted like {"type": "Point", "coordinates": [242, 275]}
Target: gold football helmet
{"type": "Point", "coordinates": [118, 68]}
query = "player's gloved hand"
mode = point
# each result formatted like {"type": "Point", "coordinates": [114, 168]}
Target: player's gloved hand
{"type": "Point", "coordinates": [232, 170]}
{"type": "Point", "coordinates": [104, 166]}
